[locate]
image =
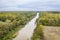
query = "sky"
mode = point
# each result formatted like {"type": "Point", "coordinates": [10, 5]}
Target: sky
{"type": "Point", "coordinates": [29, 5]}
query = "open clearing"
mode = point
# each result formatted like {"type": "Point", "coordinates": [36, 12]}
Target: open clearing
{"type": "Point", "coordinates": [51, 33]}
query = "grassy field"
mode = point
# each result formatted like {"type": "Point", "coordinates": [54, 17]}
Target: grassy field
{"type": "Point", "coordinates": [11, 22]}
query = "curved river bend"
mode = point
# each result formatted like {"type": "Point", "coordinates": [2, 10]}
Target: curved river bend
{"type": "Point", "coordinates": [27, 32]}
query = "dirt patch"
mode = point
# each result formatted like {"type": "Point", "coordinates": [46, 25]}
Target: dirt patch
{"type": "Point", "coordinates": [51, 33]}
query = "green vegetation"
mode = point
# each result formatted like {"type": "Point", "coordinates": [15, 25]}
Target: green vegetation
{"type": "Point", "coordinates": [45, 19]}
{"type": "Point", "coordinates": [38, 33]}
{"type": "Point", "coordinates": [49, 18]}
{"type": "Point", "coordinates": [11, 22]}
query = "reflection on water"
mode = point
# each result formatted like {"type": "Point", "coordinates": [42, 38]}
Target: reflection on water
{"type": "Point", "coordinates": [27, 31]}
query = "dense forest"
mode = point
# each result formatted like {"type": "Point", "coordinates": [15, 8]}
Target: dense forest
{"type": "Point", "coordinates": [11, 22]}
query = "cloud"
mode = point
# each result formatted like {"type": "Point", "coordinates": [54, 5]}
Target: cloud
{"type": "Point", "coordinates": [18, 5]}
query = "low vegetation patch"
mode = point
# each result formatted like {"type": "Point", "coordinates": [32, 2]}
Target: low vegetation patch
{"type": "Point", "coordinates": [38, 33]}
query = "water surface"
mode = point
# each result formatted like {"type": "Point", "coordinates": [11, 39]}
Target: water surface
{"type": "Point", "coordinates": [27, 32]}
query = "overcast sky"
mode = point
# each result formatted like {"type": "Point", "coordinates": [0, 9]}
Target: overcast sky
{"type": "Point", "coordinates": [29, 5]}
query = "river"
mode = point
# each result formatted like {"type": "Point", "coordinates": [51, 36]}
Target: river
{"type": "Point", "coordinates": [27, 32]}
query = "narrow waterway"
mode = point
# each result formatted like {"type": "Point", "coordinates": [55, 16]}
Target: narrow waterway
{"type": "Point", "coordinates": [27, 32]}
